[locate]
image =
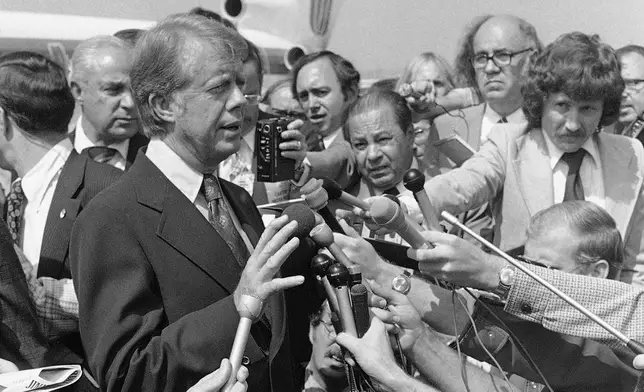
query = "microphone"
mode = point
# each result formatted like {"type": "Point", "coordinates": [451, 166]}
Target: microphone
{"type": "Point", "coordinates": [355, 276]}
{"type": "Point", "coordinates": [323, 237]}
{"type": "Point", "coordinates": [414, 180]}
{"type": "Point", "coordinates": [334, 190]}
{"type": "Point", "coordinates": [319, 265]}
{"type": "Point", "coordinates": [338, 276]}
{"type": "Point", "coordinates": [360, 302]}
{"type": "Point", "coordinates": [250, 309]}
{"type": "Point", "coordinates": [388, 214]}
{"type": "Point", "coordinates": [304, 217]}
{"type": "Point", "coordinates": [317, 199]}
{"type": "Point", "coordinates": [634, 345]}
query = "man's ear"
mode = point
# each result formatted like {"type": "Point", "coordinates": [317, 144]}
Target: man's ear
{"type": "Point", "coordinates": [77, 92]}
{"type": "Point", "coordinates": [163, 108]}
{"type": "Point", "coordinates": [352, 94]}
{"type": "Point", "coordinates": [5, 124]}
{"type": "Point", "coordinates": [600, 269]}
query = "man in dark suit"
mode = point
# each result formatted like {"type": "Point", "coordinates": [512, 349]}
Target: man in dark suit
{"type": "Point", "coordinates": [162, 258]}
{"type": "Point", "coordinates": [100, 83]}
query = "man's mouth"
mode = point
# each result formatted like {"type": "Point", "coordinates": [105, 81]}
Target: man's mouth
{"type": "Point", "coordinates": [316, 118]}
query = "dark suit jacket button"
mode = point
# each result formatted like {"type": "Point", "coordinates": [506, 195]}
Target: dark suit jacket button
{"type": "Point", "coordinates": [245, 360]}
{"type": "Point", "coordinates": [526, 308]}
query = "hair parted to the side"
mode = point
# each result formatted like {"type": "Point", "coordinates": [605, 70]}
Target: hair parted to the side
{"type": "Point", "coordinates": [34, 92]}
{"type": "Point", "coordinates": [413, 66]}
{"type": "Point", "coordinates": [129, 35]}
{"type": "Point", "coordinates": [599, 237]}
{"type": "Point", "coordinates": [87, 53]}
{"type": "Point", "coordinates": [379, 100]}
{"type": "Point", "coordinates": [162, 60]}
{"type": "Point", "coordinates": [348, 76]}
{"type": "Point", "coordinates": [578, 65]}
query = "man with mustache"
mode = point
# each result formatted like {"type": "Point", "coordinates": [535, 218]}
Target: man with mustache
{"type": "Point", "coordinates": [108, 128]}
{"type": "Point", "coordinates": [631, 111]}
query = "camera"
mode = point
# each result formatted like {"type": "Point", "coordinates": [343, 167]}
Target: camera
{"type": "Point", "coordinates": [271, 165]}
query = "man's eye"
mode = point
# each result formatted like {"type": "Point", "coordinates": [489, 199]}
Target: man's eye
{"type": "Point", "coordinates": [359, 146]}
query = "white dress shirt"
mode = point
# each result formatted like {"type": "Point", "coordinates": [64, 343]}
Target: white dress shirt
{"type": "Point", "coordinates": [491, 118]}
{"type": "Point", "coordinates": [38, 185]}
{"type": "Point", "coordinates": [81, 142]}
{"type": "Point", "coordinates": [187, 180]}
{"type": "Point", "coordinates": [328, 139]}
{"type": "Point", "coordinates": [590, 171]}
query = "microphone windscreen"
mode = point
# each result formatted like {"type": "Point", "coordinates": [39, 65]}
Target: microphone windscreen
{"type": "Point", "coordinates": [393, 198]}
{"type": "Point", "coordinates": [338, 275]}
{"type": "Point", "coordinates": [303, 216]}
{"type": "Point", "coordinates": [317, 199]}
{"type": "Point", "coordinates": [414, 180]}
{"type": "Point", "coordinates": [331, 187]}
{"type": "Point", "coordinates": [383, 210]}
{"type": "Point", "coordinates": [320, 264]}
{"type": "Point", "coordinates": [360, 302]}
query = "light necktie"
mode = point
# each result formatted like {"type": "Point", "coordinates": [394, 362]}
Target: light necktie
{"type": "Point", "coordinates": [220, 218]}
{"type": "Point", "coordinates": [15, 204]}
{"type": "Point", "coordinates": [101, 154]}
{"type": "Point", "coordinates": [502, 120]}
{"type": "Point", "coordinates": [574, 186]}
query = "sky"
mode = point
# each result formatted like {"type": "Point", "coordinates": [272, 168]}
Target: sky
{"type": "Point", "coordinates": [380, 36]}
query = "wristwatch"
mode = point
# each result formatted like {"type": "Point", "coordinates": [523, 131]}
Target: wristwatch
{"type": "Point", "coordinates": [506, 280]}
{"type": "Point", "coordinates": [402, 283]}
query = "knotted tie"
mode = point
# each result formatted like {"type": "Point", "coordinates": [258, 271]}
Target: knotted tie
{"type": "Point", "coordinates": [392, 191]}
{"type": "Point", "coordinates": [221, 219]}
{"type": "Point", "coordinates": [315, 143]}
{"type": "Point", "coordinates": [15, 202]}
{"type": "Point", "coordinates": [100, 154]}
{"type": "Point", "coordinates": [574, 187]}
{"type": "Point", "coordinates": [502, 120]}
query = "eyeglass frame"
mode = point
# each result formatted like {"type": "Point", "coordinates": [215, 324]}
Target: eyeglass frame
{"type": "Point", "coordinates": [488, 58]}
{"type": "Point", "coordinates": [252, 99]}
{"type": "Point", "coordinates": [532, 261]}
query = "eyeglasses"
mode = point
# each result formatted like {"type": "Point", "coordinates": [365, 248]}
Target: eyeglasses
{"type": "Point", "coordinates": [635, 85]}
{"type": "Point", "coordinates": [252, 99]}
{"type": "Point", "coordinates": [328, 326]}
{"type": "Point", "coordinates": [502, 58]}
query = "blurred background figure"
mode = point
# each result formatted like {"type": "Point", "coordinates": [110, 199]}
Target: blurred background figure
{"type": "Point", "coordinates": [631, 111]}
{"type": "Point", "coordinates": [279, 100]}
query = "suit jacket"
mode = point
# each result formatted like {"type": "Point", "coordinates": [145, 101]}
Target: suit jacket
{"type": "Point", "coordinates": [512, 171]}
{"type": "Point", "coordinates": [136, 142]}
{"type": "Point", "coordinates": [336, 162]}
{"type": "Point", "coordinates": [80, 180]}
{"type": "Point", "coordinates": [155, 283]}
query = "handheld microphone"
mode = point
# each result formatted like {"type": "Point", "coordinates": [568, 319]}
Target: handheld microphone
{"type": "Point", "coordinates": [334, 190]}
{"type": "Point", "coordinates": [319, 265]}
{"type": "Point", "coordinates": [338, 276]}
{"type": "Point", "coordinates": [304, 217]}
{"type": "Point", "coordinates": [323, 237]}
{"type": "Point", "coordinates": [360, 303]}
{"type": "Point", "coordinates": [388, 214]}
{"type": "Point", "coordinates": [250, 309]}
{"type": "Point", "coordinates": [414, 180]}
{"type": "Point", "coordinates": [634, 345]}
{"type": "Point", "coordinates": [317, 199]}
{"type": "Point", "coordinates": [355, 276]}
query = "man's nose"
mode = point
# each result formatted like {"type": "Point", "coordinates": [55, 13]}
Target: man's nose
{"type": "Point", "coordinates": [491, 67]}
{"type": "Point", "coordinates": [127, 101]}
{"type": "Point", "coordinates": [236, 99]}
{"type": "Point", "coordinates": [572, 120]}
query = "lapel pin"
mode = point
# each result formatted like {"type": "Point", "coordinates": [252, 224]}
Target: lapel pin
{"type": "Point", "coordinates": [63, 213]}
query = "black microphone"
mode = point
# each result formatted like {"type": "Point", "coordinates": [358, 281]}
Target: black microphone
{"type": "Point", "coordinates": [360, 306]}
{"type": "Point", "coordinates": [317, 199]}
{"type": "Point", "coordinates": [414, 180]}
{"type": "Point", "coordinates": [323, 237]}
{"type": "Point", "coordinates": [355, 276]}
{"type": "Point", "coordinates": [334, 190]}
{"type": "Point", "coordinates": [319, 265]}
{"type": "Point", "coordinates": [338, 276]}
{"type": "Point", "coordinates": [304, 217]}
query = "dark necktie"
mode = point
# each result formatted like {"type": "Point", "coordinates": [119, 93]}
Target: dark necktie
{"type": "Point", "coordinates": [574, 187]}
{"type": "Point", "coordinates": [502, 120]}
{"type": "Point", "coordinates": [15, 203]}
{"type": "Point", "coordinates": [100, 154]}
{"type": "Point", "coordinates": [221, 219]}
{"type": "Point", "coordinates": [315, 143]}
{"type": "Point", "coordinates": [392, 191]}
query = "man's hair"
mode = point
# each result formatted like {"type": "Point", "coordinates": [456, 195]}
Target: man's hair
{"type": "Point", "coordinates": [596, 229]}
{"type": "Point", "coordinates": [413, 66]}
{"type": "Point", "coordinates": [34, 92]}
{"type": "Point", "coordinates": [384, 84]}
{"type": "Point", "coordinates": [85, 55]}
{"type": "Point", "coordinates": [163, 63]}
{"type": "Point", "coordinates": [129, 35]}
{"type": "Point", "coordinates": [578, 65]}
{"type": "Point", "coordinates": [465, 73]}
{"type": "Point", "coordinates": [273, 88]}
{"type": "Point", "coordinates": [315, 318]}
{"type": "Point", "coordinates": [379, 100]}
{"type": "Point", "coordinates": [629, 49]}
{"type": "Point", "coordinates": [212, 15]}
{"type": "Point", "coordinates": [255, 56]}
{"type": "Point", "coordinates": [346, 73]}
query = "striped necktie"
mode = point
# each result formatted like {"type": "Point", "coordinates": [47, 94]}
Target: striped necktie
{"type": "Point", "coordinates": [15, 204]}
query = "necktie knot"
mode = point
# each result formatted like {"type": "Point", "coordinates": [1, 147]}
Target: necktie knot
{"type": "Point", "coordinates": [502, 120]}
{"type": "Point", "coordinates": [392, 191]}
{"type": "Point", "coordinates": [574, 188]}
{"type": "Point", "coordinates": [573, 160]}
{"type": "Point", "coordinates": [100, 154]}
{"type": "Point", "coordinates": [211, 188]}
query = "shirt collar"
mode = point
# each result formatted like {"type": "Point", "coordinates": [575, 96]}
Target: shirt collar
{"type": "Point", "coordinates": [555, 153]}
{"type": "Point", "coordinates": [328, 139]}
{"type": "Point", "coordinates": [180, 174]}
{"type": "Point", "coordinates": [37, 180]}
{"type": "Point", "coordinates": [81, 141]}
{"type": "Point", "coordinates": [513, 118]}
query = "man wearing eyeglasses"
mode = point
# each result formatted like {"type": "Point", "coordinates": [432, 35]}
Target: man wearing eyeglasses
{"type": "Point", "coordinates": [631, 111]}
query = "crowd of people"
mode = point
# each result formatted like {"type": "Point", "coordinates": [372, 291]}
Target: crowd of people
{"type": "Point", "coordinates": [129, 244]}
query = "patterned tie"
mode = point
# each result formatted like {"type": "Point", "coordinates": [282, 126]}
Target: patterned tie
{"type": "Point", "coordinates": [100, 154]}
{"type": "Point", "coordinates": [221, 219]}
{"type": "Point", "coordinates": [502, 120]}
{"type": "Point", "coordinates": [574, 187]}
{"type": "Point", "coordinates": [315, 143]}
{"type": "Point", "coordinates": [15, 204]}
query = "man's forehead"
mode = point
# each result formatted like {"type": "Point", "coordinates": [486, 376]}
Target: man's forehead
{"type": "Point", "coordinates": [374, 121]}
{"type": "Point", "coordinates": [499, 33]}
{"type": "Point", "coordinates": [316, 74]}
{"type": "Point", "coordinates": [110, 61]}
{"type": "Point", "coordinates": [632, 65]}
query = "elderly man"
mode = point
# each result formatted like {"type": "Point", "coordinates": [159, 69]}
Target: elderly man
{"type": "Point", "coordinates": [108, 128]}
{"type": "Point", "coordinates": [325, 84]}
{"type": "Point", "coordinates": [164, 257]}
{"type": "Point", "coordinates": [631, 113]}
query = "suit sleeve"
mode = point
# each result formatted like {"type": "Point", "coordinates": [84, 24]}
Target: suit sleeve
{"type": "Point", "coordinates": [479, 180]}
{"type": "Point", "coordinates": [124, 328]}
{"type": "Point", "coordinates": [336, 162]}
{"type": "Point", "coordinates": [619, 304]}
{"type": "Point", "coordinates": [633, 266]}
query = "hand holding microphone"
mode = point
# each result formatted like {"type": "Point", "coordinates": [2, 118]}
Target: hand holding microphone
{"type": "Point", "coordinates": [317, 198]}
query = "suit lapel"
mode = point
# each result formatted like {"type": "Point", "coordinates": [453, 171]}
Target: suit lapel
{"type": "Point", "coordinates": [622, 180]}
{"type": "Point", "coordinates": [63, 210]}
{"type": "Point", "coordinates": [534, 174]}
{"type": "Point", "coordinates": [183, 227]}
